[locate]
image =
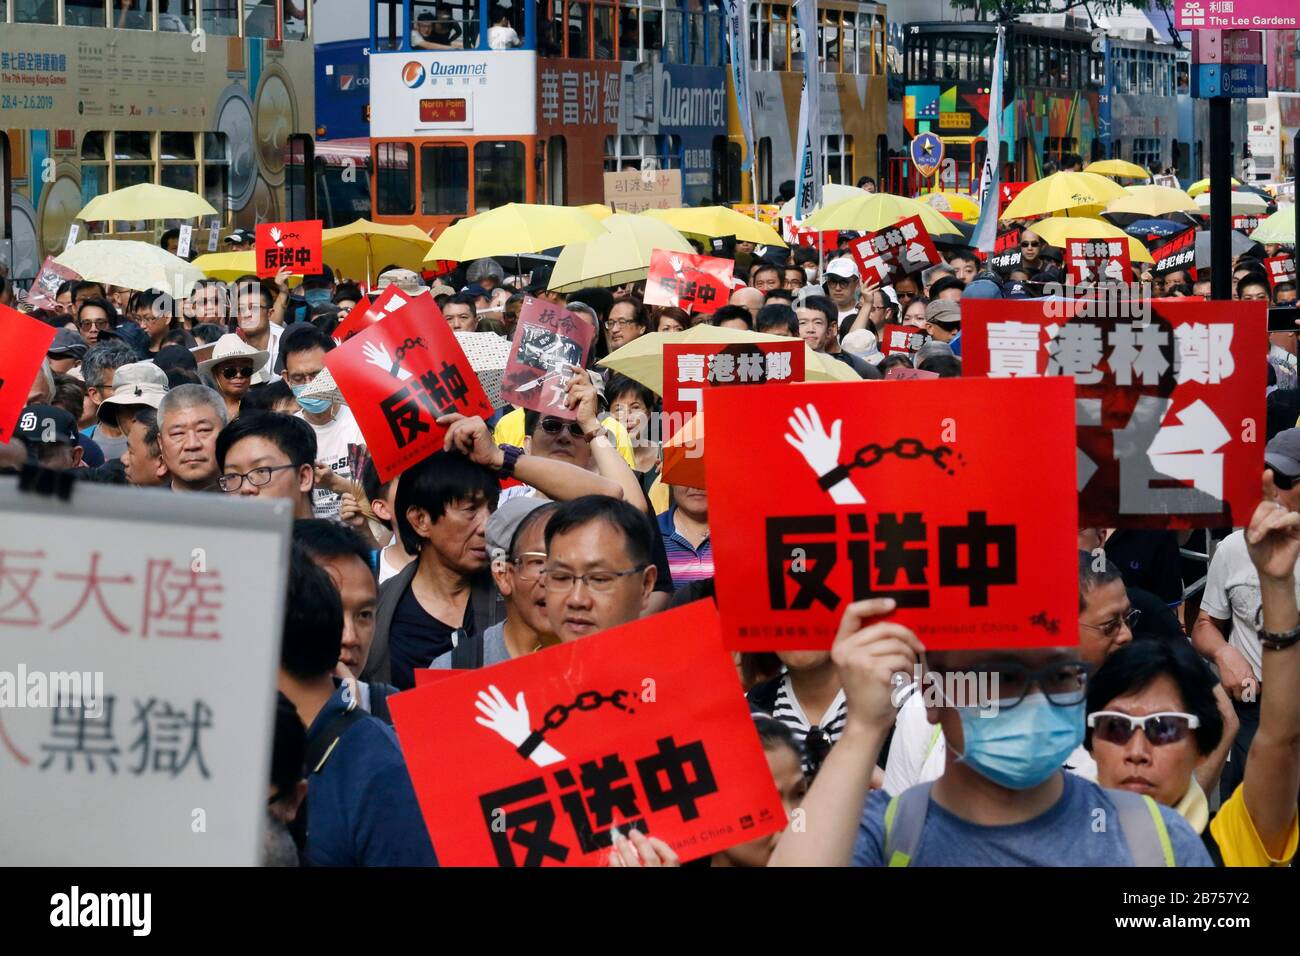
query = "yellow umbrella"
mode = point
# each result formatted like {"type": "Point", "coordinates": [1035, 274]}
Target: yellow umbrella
{"type": "Point", "coordinates": [596, 211]}
{"type": "Point", "coordinates": [622, 256]}
{"type": "Point", "coordinates": [831, 194]}
{"type": "Point", "coordinates": [131, 265]}
{"type": "Point", "coordinates": [960, 203]}
{"type": "Point", "coordinates": [146, 201]}
{"type": "Point", "coordinates": [1203, 185]}
{"type": "Point", "coordinates": [714, 221]}
{"type": "Point", "coordinates": [515, 229]}
{"type": "Point", "coordinates": [1119, 168]}
{"type": "Point", "coordinates": [1065, 193]}
{"type": "Point", "coordinates": [1279, 228]}
{"type": "Point", "coordinates": [362, 247]}
{"type": "Point", "coordinates": [1058, 230]}
{"type": "Point", "coordinates": [1150, 202]}
{"type": "Point", "coordinates": [870, 212]}
{"type": "Point", "coordinates": [643, 358]}
{"type": "Point", "coordinates": [229, 266]}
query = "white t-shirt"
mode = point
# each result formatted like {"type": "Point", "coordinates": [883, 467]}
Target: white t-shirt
{"type": "Point", "coordinates": [918, 752]}
{"type": "Point", "coordinates": [1232, 593]}
{"type": "Point", "coordinates": [386, 570]}
{"type": "Point", "coordinates": [502, 38]}
{"type": "Point", "coordinates": [332, 440]}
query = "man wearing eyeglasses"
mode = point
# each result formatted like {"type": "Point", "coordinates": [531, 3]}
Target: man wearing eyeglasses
{"type": "Point", "coordinates": [268, 455]}
{"type": "Point", "coordinates": [599, 571]}
{"type": "Point", "coordinates": [100, 369]}
{"type": "Point", "coordinates": [1002, 799]}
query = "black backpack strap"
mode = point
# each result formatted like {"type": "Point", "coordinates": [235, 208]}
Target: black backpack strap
{"type": "Point", "coordinates": [468, 653]}
{"type": "Point", "coordinates": [320, 746]}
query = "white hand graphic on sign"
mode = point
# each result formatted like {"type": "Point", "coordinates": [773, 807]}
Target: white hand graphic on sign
{"type": "Point", "coordinates": [821, 450]}
{"type": "Point", "coordinates": [511, 723]}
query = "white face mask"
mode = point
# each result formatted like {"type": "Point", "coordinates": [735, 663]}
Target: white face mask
{"type": "Point", "coordinates": [811, 273]}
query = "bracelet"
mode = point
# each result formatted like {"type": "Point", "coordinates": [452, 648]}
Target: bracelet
{"type": "Point", "coordinates": [1279, 642]}
{"type": "Point", "coordinates": [509, 456]}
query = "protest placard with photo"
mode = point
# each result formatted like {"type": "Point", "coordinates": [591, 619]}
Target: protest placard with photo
{"type": "Point", "coordinates": [1170, 426]}
{"type": "Point", "coordinates": [130, 618]}
{"type": "Point", "coordinates": [1098, 260]}
{"type": "Point", "coordinates": [904, 247]}
{"type": "Point", "coordinates": [23, 344]}
{"type": "Point", "coordinates": [914, 492]}
{"type": "Point", "coordinates": [399, 376]}
{"type": "Point", "coordinates": [640, 726]}
{"type": "Point", "coordinates": [549, 341]}
{"type": "Point", "coordinates": [296, 245]}
{"type": "Point", "coordinates": [46, 284]}
{"type": "Point", "coordinates": [693, 283]}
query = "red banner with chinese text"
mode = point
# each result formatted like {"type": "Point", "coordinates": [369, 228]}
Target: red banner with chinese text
{"type": "Point", "coordinates": [398, 376]}
{"type": "Point", "coordinates": [693, 283]}
{"type": "Point", "coordinates": [296, 245]}
{"type": "Point", "coordinates": [23, 344]}
{"type": "Point", "coordinates": [914, 492]}
{"type": "Point", "coordinates": [903, 248]}
{"type": "Point", "coordinates": [641, 725]}
{"type": "Point", "coordinates": [689, 370]}
{"type": "Point", "coordinates": [1280, 269]}
{"type": "Point", "coordinates": [897, 338]}
{"type": "Point", "coordinates": [1098, 260]}
{"type": "Point", "coordinates": [1170, 406]}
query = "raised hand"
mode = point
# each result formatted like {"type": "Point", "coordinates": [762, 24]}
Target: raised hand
{"type": "Point", "coordinates": [1273, 535]}
{"type": "Point", "coordinates": [276, 235]}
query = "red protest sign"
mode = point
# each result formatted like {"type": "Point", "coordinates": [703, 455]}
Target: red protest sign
{"type": "Point", "coordinates": [921, 497]}
{"type": "Point", "coordinates": [361, 318]}
{"type": "Point", "coordinates": [398, 376]}
{"type": "Point", "coordinates": [424, 676]}
{"type": "Point", "coordinates": [904, 247]}
{"type": "Point", "coordinates": [1280, 269]}
{"type": "Point", "coordinates": [693, 283]}
{"type": "Point", "coordinates": [23, 344]}
{"type": "Point", "coordinates": [296, 245]}
{"type": "Point", "coordinates": [689, 370]}
{"type": "Point", "coordinates": [1170, 404]}
{"type": "Point", "coordinates": [1006, 251]}
{"type": "Point", "coordinates": [903, 374]}
{"type": "Point", "coordinates": [1246, 224]}
{"type": "Point", "coordinates": [1175, 254]}
{"type": "Point", "coordinates": [548, 340]}
{"type": "Point", "coordinates": [896, 338]}
{"type": "Point", "coordinates": [827, 240]}
{"type": "Point", "coordinates": [675, 753]}
{"type": "Point", "coordinates": [1008, 192]}
{"type": "Point", "coordinates": [46, 284]}
{"type": "Point", "coordinates": [1098, 260]}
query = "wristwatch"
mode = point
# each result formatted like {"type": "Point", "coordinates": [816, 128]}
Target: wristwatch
{"type": "Point", "coordinates": [509, 455]}
{"type": "Point", "coordinates": [1279, 642]}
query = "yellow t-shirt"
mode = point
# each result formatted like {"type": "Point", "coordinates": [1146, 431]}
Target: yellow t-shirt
{"type": "Point", "coordinates": [510, 431]}
{"type": "Point", "coordinates": [1239, 843]}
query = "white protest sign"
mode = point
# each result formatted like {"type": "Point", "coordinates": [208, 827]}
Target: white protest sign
{"type": "Point", "coordinates": [73, 231]}
{"type": "Point", "coordinates": [214, 233]}
{"type": "Point", "coordinates": [183, 241]}
{"type": "Point", "coordinates": [142, 636]}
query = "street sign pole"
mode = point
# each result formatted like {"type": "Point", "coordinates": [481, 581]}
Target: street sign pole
{"type": "Point", "coordinates": [1221, 197]}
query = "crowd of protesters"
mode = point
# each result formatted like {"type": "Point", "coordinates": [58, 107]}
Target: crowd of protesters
{"type": "Point", "coordinates": [528, 530]}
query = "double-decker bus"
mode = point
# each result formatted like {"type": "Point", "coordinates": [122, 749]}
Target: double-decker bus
{"type": "Point", "coordinates": [213, 96]}
{"type": "Point", "coordinates": [851, 45]}
{"type": "Point", "coordinates": [475, 103]}
{"type": "Point", "coordinates": [1049, 98]}
{"type": "Point", "coordinates": [1148, 115]}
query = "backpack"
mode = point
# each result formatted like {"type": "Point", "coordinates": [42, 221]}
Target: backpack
{"type": "Point", "coordinates": [1139, 817]}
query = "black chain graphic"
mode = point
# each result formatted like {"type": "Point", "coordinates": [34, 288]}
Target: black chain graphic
{"type": "Point", "coordinates": [905, 448]}
{"type": "Point", "coordinates": [557, 715]}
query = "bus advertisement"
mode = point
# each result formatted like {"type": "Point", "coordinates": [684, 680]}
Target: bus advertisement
{"type": "Point", "coordinates": [93, 108]}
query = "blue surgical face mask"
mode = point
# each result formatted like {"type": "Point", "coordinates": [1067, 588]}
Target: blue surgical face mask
{"type": "Point", "coordinates": [316, 297]}
{"type": "Point", "coordinates": [1021, 747]}
{"type": "Point", "coordinates": [316, 406]}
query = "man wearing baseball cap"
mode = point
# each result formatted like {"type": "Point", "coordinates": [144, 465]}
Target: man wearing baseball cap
{"type": "Point", "coordinates": [841, 283]}
{"type": "Point", "coordinates": [241, 239]}
{"type": "Point", "coordinates": [942, 320]}
{"type": "Point", "coordinates": [66, 351]}
{"type": "Point", "coordinates": [50, 435]}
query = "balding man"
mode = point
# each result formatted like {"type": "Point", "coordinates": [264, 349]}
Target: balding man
{"type": "Point", "coordinates": [748, 298]}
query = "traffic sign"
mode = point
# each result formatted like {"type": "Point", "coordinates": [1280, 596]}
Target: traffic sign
{"type": "Point", "coordinates": [1228, 47]}
{"type": "Point", "coordinates": [1237, 81]}
{"type": "Point", "coordinates": [1238, 15]}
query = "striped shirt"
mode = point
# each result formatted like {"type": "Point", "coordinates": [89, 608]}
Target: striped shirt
{"type": "Point", "coordinates": [788, 711]}
{"type": "Point", "coordinates": [686, 562]}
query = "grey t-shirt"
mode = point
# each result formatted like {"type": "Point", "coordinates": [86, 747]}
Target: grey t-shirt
{"type": "Point", "coordinates": [1080, 829]}
{"type": "Point", "coordinates": [494, 649]}
{"type": "Point", "coordinates": [111, 447]}
{"type": "Point", "coordinates": [1232, 594]}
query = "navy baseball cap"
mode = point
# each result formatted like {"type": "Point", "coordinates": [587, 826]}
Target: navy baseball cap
{"type": "Point", "coordinates": [46, 425]}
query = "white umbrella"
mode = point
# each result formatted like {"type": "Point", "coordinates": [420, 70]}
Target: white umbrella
{"type": "Point", "coordinates": [831, 194]}
{"type": "Point", "coordinates": [131, 265]}
{"type": "Point", "coordinates": [1243, 203]}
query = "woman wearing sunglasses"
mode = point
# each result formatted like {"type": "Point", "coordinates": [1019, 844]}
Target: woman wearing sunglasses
{"type": "Point", "coordinates": [1153, 719]}
{"type": "Point", "coordinates": [232, 370]}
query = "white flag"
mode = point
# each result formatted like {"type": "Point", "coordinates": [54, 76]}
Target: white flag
{"type": "Point", "coordinates": [986, 233]}
{"type": "Point", "coordinates": [808, 184]}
